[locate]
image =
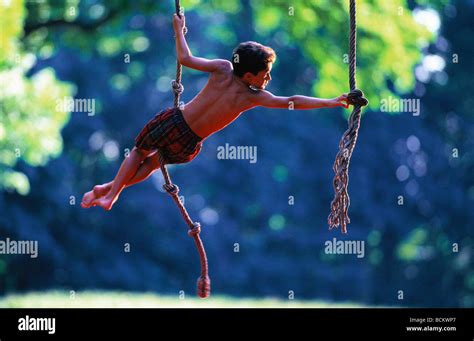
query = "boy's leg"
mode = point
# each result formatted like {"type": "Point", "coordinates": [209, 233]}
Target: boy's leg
{"type": "Point", "coordinates": [126, 172]}
{"type": "Point", "coordinates": [147, 167]}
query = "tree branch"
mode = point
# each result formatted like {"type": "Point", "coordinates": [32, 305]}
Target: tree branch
{"type": "Point", "coordinates": [90, 26]}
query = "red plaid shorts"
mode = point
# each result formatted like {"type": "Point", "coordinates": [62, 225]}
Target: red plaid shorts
{"type": "Point", "coordinates": [170, 134]}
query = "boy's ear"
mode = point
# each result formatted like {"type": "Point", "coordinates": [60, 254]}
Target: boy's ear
{"type": "Point", "coordinates": [247, 75]}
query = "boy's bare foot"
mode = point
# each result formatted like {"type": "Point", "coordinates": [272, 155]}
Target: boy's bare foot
{"type": "Point", "coordinates": [87, 199]}
{"type": "Point", "coordinates": [97, 192]}
{"type": "Point", "coordinates": [105, 202]}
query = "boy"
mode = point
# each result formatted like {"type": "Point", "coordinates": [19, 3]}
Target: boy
{"type": "Point", "coordinates": [232, 88]}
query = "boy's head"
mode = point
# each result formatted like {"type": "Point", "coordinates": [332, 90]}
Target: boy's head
{"type": "Point", "coordinates": [253, 63]}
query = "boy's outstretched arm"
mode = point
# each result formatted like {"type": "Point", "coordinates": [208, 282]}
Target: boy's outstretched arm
{"type": "Point", "coordinates": [267, 99]}
{"type": "Point", "coordinates": [185, 56]}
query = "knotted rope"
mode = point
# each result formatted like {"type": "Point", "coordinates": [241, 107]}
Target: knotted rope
{"type": "Point", "coordinates": [341, 202]}
{"type": "Point", "coordinates": [176, 85]}
{"type": "Point", "coordinates": [204, 282]}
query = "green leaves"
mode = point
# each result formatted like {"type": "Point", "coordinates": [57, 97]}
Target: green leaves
{"type": "Point", "coordinates": [389, 46]}
{"type": "Point", "coordinates": [30, 119]}
{"type": "Point", "coordinates": [390, 41]}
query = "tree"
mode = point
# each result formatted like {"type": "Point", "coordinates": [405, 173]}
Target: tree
{"type": "Point", "coordinates": [30, 121]}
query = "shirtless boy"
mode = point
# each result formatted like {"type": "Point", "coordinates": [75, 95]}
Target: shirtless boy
{"type": "Point", "coordinates": [232, 88]}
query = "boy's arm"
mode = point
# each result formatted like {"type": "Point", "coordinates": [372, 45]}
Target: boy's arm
{"type": "Point", "coordinates": [267, 99]}
{"type": "Point", "coordinates": [185, 56]}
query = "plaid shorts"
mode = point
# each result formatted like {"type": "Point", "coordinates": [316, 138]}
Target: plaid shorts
{"type": "Point", "coordinates": [170, 134]}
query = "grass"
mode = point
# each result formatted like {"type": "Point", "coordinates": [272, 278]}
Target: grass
{"type": "Point", "coordinates": [112, 299]}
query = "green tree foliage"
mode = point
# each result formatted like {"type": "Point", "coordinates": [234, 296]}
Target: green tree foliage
{"type": "Point", "coordinates": [390, 40]}
{"type": "Point", "coordinates": [386, 56]}
{"type": "Point", "coordinates": [30, 122]}
{"type": "Point", "coordinates": [389, 45]}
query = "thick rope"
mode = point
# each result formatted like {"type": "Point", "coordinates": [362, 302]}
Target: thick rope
{"type": "Point", "coordinates": [204, 282]}
{"type": "Point", "coordinates": [341, 202]}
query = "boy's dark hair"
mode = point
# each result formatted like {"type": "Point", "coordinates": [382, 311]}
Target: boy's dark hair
{"type": "Point", "coordinates": [251, 56]}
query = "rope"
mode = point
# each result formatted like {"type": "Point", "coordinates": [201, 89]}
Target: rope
{"type": "Point", "coordinates": [341, 201]}
{"type": "Point", "coordinates": [176, 85]}
{"type": "Point", "coordinates": [204, 282]}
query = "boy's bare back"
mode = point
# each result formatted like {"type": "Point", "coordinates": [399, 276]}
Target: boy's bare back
{"type": "Point", "coordinates": [221, 101]}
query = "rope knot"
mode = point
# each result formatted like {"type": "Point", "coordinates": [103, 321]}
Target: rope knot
{"type": "Point", "coordinates": [195, 230]}
{"type": "Point", "coordinates": [356, 97]}
{"type": "Point", "coordinates": [204, 286]}
{"type": "Point", "coordinates": [172, 189]}
{"type": "Point", "coordinates": [178, 88]}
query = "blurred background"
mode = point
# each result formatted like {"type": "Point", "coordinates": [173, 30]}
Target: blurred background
{"type": "Point", "coordinates": [264, 223]}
